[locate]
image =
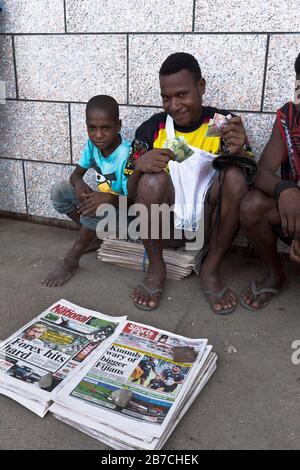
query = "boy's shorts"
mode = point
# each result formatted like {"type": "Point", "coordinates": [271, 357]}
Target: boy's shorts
{"type": "Point", "coordinates": [65, 201]}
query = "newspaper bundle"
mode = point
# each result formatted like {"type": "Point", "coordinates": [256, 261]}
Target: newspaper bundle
{"type": "Point", "coordinates": [57, 343]}
{"type": "Point", "coordinates": [92, 358]}
{"type": "Point", "coordinates": [180, 263]}
{"type": "Point", "coordinates": [140, 360]}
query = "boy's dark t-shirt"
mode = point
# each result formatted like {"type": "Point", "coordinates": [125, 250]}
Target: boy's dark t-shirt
{"type": "Point", "coordinates": [288, 121]}
{"type": "Point", "coordinates": [152, 134]}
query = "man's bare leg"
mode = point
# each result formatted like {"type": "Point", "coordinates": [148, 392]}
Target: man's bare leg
{"type": "Point", "coordinates": [258, 215]}
{"type": "Point", "coordinates": [154, 188]}
{"type": "Point", "coordinates": [233, 190]}
{"type": "Point", "coordinates": [66, 268]}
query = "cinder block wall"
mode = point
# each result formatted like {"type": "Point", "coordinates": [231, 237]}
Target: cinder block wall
{"type": "Point", "coordinates": [56, 54]}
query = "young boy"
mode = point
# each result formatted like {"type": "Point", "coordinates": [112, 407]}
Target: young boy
{"type": "Point", "coordinates": [107, 152]}
{"type": "Point", "coordinates": [273, 209]}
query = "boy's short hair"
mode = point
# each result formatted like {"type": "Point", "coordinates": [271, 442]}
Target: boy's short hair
{"type": "Point", "coordinates": [181, 61]}
{"type": "Point", "coordinates": [297, 65]}
{"type": "Point", "coordinates": [105, 103]}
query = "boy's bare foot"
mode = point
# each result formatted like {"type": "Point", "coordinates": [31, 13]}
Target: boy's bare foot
{"type": "Point", "coordinates": [148, 293]}
{"type": "Point", "coordinates": [259, 294]}
{"type": "Point", "coordinates": [63, 272]}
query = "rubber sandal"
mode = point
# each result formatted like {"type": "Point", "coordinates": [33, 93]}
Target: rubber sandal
{"type": "Point", "coordinates": [219, 295]}
{"type": "Point", "coordinates": [257, 291]}
{"type": "Point", "coordinates": [150, 292]}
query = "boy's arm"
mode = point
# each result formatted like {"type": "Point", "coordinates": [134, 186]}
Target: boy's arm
{"type": "Point", "coordinates": [85, 162]}
{"type": "Point", "coordinates": [76, 179]}
{"type": "Point", "coordinates": [288, 202]}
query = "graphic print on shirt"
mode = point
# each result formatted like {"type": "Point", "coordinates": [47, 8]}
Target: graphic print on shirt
{"type": "Point", "coordinates": [104, 182]}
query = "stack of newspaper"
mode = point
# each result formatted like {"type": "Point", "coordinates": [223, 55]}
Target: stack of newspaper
{"type": "Point", "coordinates": [180, 263]}
{"type": "Point", "coordinates": [37, 360]}
{"type": "Point", "coordinates": [121, 382]}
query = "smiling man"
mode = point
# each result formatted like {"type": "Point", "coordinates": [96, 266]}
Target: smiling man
{"type": "Point", "coordinates": [182, 89]}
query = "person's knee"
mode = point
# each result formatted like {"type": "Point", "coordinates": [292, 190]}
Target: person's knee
{"type": "Point", "coordinates": [63, 197]}
{"type": "Point", "coordinates": [153, 187]}
{"type": "Point", "coordinates": [59, 191]}
{"type": "Point", "coordinates": [235, 186]}
{"type": "Point", "coordinates": [253, 207]}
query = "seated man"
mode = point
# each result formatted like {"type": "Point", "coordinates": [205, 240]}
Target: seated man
{"type": "Point", "coordinates": [273, 209]}
{"type": "Point", "coordinates": [182, 88]}
{"type": "Point", "coordinates": [107, 152]}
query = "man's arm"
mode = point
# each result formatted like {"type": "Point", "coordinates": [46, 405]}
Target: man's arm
{"type": "Point", "coordinates": [153, 161]}
{"type": "Point", "coordinates": [234, 136]}
{"type": "Point", "coordinates": [143, 158]}
{"type": "Point", "coordinates": [270, 161]}
{"type": "Point", "coordinates": [289, 200]}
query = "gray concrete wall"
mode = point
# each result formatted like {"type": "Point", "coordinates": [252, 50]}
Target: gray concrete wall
{"type": "Point", "coordinates": [55, 55]}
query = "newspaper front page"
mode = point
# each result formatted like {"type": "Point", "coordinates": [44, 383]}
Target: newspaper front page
{"type": "Point", "coordinates": [58, 341]}
{"type": "Point", "coordinates": [120, 440]}
{"type": "Point", "coordinates": [139, 359]}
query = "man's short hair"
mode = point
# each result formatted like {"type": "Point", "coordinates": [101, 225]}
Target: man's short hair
{"type": "Point", "coordinates": [181, 61]}
{"type": "Point", "coordinates": [104, 103]}
{"type": "Point", "coordinates": [297, 65]}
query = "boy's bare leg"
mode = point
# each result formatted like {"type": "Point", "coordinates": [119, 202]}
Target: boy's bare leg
{"type": "Point", "coordinates": [66, 268]}
{"type": "Point", "coordinates": [95, 242]}
{"type": "Point", "coordinates": [258, 216]}
{"type": "Point", "coordinates": [233, 190]}
{"type": "Point", "coordinates": [153, 189]}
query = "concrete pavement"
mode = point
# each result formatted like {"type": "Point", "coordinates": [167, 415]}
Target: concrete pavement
{"type": "Point", "coordinates": [251, 402]}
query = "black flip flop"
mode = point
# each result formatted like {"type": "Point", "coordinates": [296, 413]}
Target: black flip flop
{"type": "Point", "coordinates": [255, 292]}
{"type": "Point", "coordinates": [150, 292]}
{"type": "Point", "coordinates": [219, 295]}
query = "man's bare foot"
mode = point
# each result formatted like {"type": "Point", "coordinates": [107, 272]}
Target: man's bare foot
{"type": "Point", "coordinates": [147, 294]}
{"type": "Point", "coordinates": [260, 293]}
{"type": "Point", "coordinates": [62, 273]}
{"type": "Point", "coordinates": [220, 298]}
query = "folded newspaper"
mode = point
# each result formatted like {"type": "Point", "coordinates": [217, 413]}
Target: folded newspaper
{"type": "Point", "coordinates": [131, 254]}
{"type": "Point", "coordinates": [37, 360]}
{"type": "Point", "coordinates": [113, 379]}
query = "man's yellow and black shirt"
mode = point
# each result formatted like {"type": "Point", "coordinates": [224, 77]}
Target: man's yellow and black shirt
{"type": "Point", "coordinates": [152, 134]}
